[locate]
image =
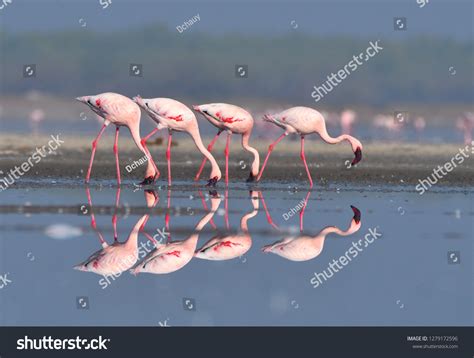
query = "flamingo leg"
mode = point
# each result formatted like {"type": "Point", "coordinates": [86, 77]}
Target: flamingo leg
{"type": "Point", "coordinates": [303, 158]}
{"type": "Point", "coordinates": [226, 152]}
{"type": "Point", "coordinates": [267, 213]}
{"type": "Point", "coordinates": [168, 156]}
{"type": "Point", "coordinates": [94, 146]}
{"type": "Point", "coordinates": [270, 149]}
{"type": "Point", "coordinates": [117, 162]}
{"type": "Point", "coordinates": [93, 222]}
{"type": "Point", "coordinates": [226, 207]}
{"type": "Point", "coordinates": [167, 216]}
{"type": "Point", "coordinates": [114, 217]}
{"type": "Point", "coordinates": [147, 152]}
{"type": "Point", "coordinates": [209, 148]}
{"type": "Point", "coordinates": [303, 209]}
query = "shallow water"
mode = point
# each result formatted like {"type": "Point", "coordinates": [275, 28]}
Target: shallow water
{"type": "Point", "coordinates": [405, 277]}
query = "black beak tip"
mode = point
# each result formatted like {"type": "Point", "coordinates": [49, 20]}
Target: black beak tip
{"type": "Point", "coordinates": [357, 214]}
{"type": "Point", "coordinates": [358, 156]}
{"type": "Point", "coordinates": [251, 178]}
{"type": "Point", "coordinates": [148, 180]}
{"type": "Point", "coordinates": [212, 182]}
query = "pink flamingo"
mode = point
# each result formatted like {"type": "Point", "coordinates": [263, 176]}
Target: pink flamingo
{"type": "Point", "coordinates": [175, 116]}
{"type": "Point", "coordinates": [173, 256]}
{"type": "Point", "coordinates": [347, 121]}
{"type": "Point", "coordinates": [233, 119]}
{"type": "Point", "coordinates": [466, 124]}
{"type": "Point", "coordinates": [303, 121]}
{"type": "Point", "coordinates": [306, 247]}
{"type": "Point", "coordinates": [121, 111]}
{"type": "Point", "coordinates": [118, 257]}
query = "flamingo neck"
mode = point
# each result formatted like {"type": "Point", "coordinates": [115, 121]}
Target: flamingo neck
{"type": "Point", "coordinates": [215, 172]}
{"type": "Point", "coordinates": [132, 240]}
{"type": "Point", "coordinates": [135, 132]}
{"type": "Point", "coordinates": [256, 156]}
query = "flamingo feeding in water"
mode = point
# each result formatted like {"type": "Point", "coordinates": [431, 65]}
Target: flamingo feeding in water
{"type": "Point", "coordinates": [304, 121]}
{"type": "Point", "coordinates": [175, 116]}
{"type": "Point", "coordinates": [121, 111]}
{"type": "Point", "coordinates": [233, 119]}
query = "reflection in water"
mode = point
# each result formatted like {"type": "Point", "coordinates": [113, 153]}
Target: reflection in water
{"type": "Point", "coordinates": [227, 247]}
{"type": "Point", "coordinates": [118, 257]}
{"type": "Point", "coordinates": [305, 247]}
{"type": "Point", "coordinates": [173, 256]}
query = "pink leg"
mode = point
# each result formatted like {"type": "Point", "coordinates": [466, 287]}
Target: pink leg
{"type": "Point", "coordinates": [204, 205]}
{"type": "Point", "coordinates": [267, 213]}
{"type": "Point", "coordinates": [94, 146]}
{"type": "Point", "coordinates": [270, 149]}
{"type": "Point", "coordinates": [93, 222]}
{"type": "Point", "coordinates": [226, 207]}
{"type": "Point", "coordinates": [209, 148]}
{"type": "Point", "coordinates": [304, 161]}
{"type": "Point", "coordinates": [303, 209]}
{"type": "Point", "coordinates": [168, 156]}
{"type": "Point", "coordinates": [117, 163]}
{"type": "Point", "coordinates": [167, 216]}
{"type": "Point", "coordinates": [226, 152]}
{"type": "Point", "coordinates": [114, 217]}
{"type": "Point", "coordinates": [147, 152]}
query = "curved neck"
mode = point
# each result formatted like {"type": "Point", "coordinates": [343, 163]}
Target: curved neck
{"type": "Point", "coordinates": [256, 157]}
{"type": "Point", "coordinates": [133, 237]}
{"type": "Point", "coordinates": [194, 133]}
{"type": "Point", "coordinates": [135, 132]}
{"type": "Point", "coordinates": [328, 139]}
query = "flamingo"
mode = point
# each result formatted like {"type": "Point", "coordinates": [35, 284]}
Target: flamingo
{"type": "Point", "coordinates": [306, 247]}
{"type": "Point", "coordinates": [175, 116]}
{"type": "Point", "coordinates": [173, 256]}
{"type": "Point", "coordinates": [348, 118]}
{"type": "Point", "coordinates": [303, 121]}
{"type": "Point", "coordinates": [118, 257]}
{"type": "Point", "coordinates": [228, 247]}
{"type": "Point", "coordinates": [121, 111]}
{"type": "Point", "coordinates": [233, 119]}
{"type": "Point", "coordinates": [465, 123]}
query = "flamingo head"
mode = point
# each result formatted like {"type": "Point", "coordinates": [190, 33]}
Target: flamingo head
{"type": "Point", "coordinates": [96, 103]}
{"type": "Point", "coordinates": [357, 148]}
{"type": "Point", "coordinates": [356, 212]}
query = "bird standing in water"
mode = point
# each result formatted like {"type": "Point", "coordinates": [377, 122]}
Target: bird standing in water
{"type": "Point", "coordinates": [304, 121]}
{"type": "Point", "coordinates": [233, 119]}
{"type": "Point", "coordinates": [175, 116]}
{"type": "Point", "coordinates": [121, 111]}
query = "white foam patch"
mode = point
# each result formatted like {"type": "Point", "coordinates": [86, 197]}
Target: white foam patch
{"type": "Point", "coordinates": [62, 231]}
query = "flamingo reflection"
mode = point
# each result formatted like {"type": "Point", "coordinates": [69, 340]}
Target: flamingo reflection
{"type": "Point", "coordinates": [174, 255]}
{"type": "Point", "coordinates": [118, 257]}
{"type": "Point", "coordinates": [307, 247]}
{"type": "Point", "coordinates": [227, 247]}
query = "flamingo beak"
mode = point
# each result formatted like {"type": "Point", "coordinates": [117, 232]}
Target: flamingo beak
{"type": "Point", "coordinates": [358, 156]}
{"type": "Point", "coordinates": [212, 182]}
{"type": "Point", "coordinates": [251, 178]}
{"type": "Point", "coordinates": [356, 212]}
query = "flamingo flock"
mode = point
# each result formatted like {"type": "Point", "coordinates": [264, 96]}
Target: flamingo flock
{"type": "Point", "coordinates": [175, 116]}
